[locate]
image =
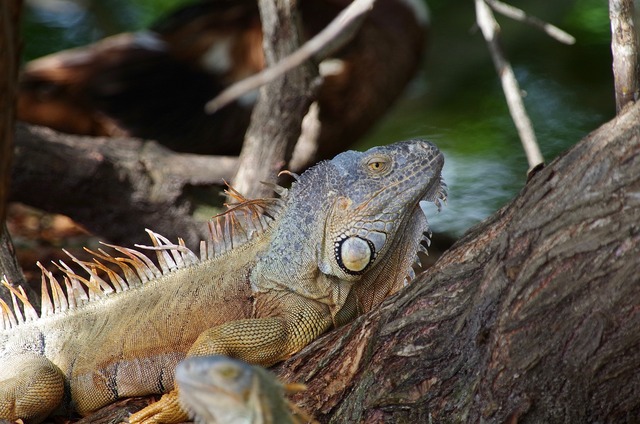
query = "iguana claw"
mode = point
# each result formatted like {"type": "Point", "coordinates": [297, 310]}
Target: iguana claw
{"type": "Point", "coordinates": [165, 411]}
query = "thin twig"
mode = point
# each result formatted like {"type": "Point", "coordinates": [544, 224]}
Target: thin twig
{"type": "Point", "coordinates": [490, 30]}
{"type": "Point", "coordinates": [520, 15]}
{"type": "Point", "coordinates": [334, 36]}
{"type": "Point", "coordinates": [624, 48]}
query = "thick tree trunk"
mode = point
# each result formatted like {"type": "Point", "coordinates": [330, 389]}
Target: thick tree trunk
{"type": "Point", "coordinates": [532, 317]}
{"type": "Point", "coordinates": [9, 61]}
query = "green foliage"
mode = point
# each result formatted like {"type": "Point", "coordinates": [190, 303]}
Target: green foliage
{"type": "Point", "coordinates": [589, 21]}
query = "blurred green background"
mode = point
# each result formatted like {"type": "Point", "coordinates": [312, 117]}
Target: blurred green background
{"type": "Point", "coordinates": [456, 100]}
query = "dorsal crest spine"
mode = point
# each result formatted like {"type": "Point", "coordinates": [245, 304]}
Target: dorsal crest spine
{"type": "Point", "coordinates": [241, 222]}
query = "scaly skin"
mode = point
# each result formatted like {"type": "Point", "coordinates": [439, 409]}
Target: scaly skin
{"type": "Point", "coordinates": [218, 389]}
{"type": "Point", "coordinates": [334, 246]}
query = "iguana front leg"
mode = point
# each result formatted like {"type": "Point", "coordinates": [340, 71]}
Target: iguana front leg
{"type": "Point", "coordinates": [262, 341]}
{"type": "Point", "coordinates": [32, 387]}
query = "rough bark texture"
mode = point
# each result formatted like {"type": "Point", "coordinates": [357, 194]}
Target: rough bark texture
{"type": "Point", "coordinates": [9, 62]}
{"type": "Point", "coordinates": [140, 184]}
{"type": "Point", "coordinates": [276, 118]}
{"type": "Point", "coordinates": [532, 317]}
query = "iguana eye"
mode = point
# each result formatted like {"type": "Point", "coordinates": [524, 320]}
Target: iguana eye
{"type": "Point", "coordinates": [378, 164]}
{"type": "Point", "coordinates": [354, 254]}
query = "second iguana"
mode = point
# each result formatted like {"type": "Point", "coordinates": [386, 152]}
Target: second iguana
{"type": "Point", "coordinates": [275, 275]}
{"type": "Point", "coordinates": [218, 389]}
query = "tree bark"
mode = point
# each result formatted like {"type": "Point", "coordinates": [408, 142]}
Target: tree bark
{"type": "Point", "coordinates": [9, 61]}
{"type": "Point", "coordinates": [532, 317]}
{"type": "Point", "coordinates": [135, 183]}
{"type": "Point", "coordinates": [624, 49]}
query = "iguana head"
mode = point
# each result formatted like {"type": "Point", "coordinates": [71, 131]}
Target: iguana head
{"type": "Point", "coordinates": [376, 194]}
{"type": "Point", "coordinates": [353, 222]}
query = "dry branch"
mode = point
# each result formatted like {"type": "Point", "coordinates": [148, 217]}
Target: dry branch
{"type": "Point", "coordinates": [10, 11]}
{"type": "Point", "coordinates": [115, 187]}
{"type": "Point", "coordinates": [491, 30]}
{"type": "Point", "coordinates": [307, 145]}
{"type": "Point", "coordinates": [521, 16]}
{"type": "Point", "coordinates": [9, 63]}
{"type": "Point", "coordinates": [327, 41]}
{"type": "Point", "coordinates": [624, 47]}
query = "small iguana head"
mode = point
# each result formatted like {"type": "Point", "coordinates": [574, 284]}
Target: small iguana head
{"type": "Point", "coordinates": [219, 389]}
{"type": "Point", "coordinates": [376, 196]}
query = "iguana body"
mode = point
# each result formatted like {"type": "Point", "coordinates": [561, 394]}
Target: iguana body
{"type": "Point", "coordinates": [218, 389]}
{"type": "Point", "coordinates": [275, 275]}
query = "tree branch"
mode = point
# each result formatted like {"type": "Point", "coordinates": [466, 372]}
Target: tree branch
{"type": "Point", "coordinates": [114, 187]}
{"type": "Point", "coordinates": [306, 147]}
{"type": "Point", "coordinates": [624, 47]}
{"type": "Point", "coordinates": [531, 317]}
{"type": "Point", "coordinates": [521, 16]}
{"type": "Point", "coordinates": [338, 33]}
{"type": "Point", "coordinates": [276, 118]}
{"type": "Point", "coordinates": [490, 30]}
{"type": "Point", "coordinates": [10, 11]}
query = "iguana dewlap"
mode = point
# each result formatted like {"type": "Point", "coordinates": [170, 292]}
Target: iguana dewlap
{"type": "Point", "coordinates": [275, 275]}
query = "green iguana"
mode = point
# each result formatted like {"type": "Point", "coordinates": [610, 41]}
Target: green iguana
{"type": "Point", "coordinates": [275, 275]}
{"type": "Point", "coordinates": [218, 389]}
